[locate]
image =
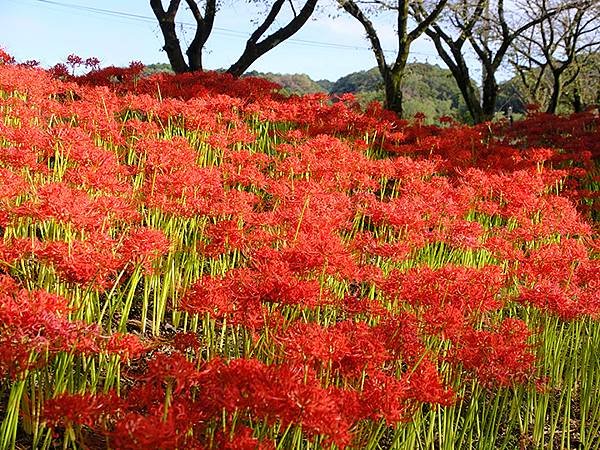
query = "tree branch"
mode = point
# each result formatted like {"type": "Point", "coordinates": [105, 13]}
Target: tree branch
{"type": "Point", "coordinates": [352, 8]}
{"type": "Point", "coordinates": [427, 21]}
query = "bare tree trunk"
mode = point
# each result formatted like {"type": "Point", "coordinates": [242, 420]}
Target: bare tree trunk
{"type": "Point", "coordinates": [470, 96]}
{"type": "Point", "coordinates": [473, 25]}
{"type": "Point", "coordinates": [255, 49]}
{"type": "Point", "coordinates": [392, 81]}
{"type": "Point", "coordinates": [393, 74]}
{"type": "Point", "coordinates": [204, 25]}
{"type": "Point", "coordinates": [490, 94]}
{"type": "Point", "coordinates": [460, 71]}
{"type": "Point", "coordinates": [577, 103]}
{"type": "Point", "coordinates": [166, 21]}
{"type": "Point", "coordinates": [556, 92]}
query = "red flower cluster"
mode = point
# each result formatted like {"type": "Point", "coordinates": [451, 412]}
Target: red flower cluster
{"type": "Point", "coordinates": [34, 327]}
{"type": "Point", "coordinates": [309, 268]}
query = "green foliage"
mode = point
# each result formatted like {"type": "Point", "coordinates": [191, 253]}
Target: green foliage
{"type": "Point", "coordinates": [363, 81]}
{"type": "Point", "coordinates": [582, 82]}
{"type": "Point", "coordinates": [426, 88]}
{"type": "Point", "coordinates": [432, 90]}
{"type": "Point", "coordinates": [297, 83]}
{"type": "Point", "coordinates": [510, 96]}
{"type": "Point", "coordinates": [325, 85]}
{"type": "Point", "coordinates": [151, 69]}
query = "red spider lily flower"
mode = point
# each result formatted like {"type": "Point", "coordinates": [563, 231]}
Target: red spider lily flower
{"type": "Point", "coordinates": [92, 63]}
{"type": "Point", "coordinates": [81, 409]}
{"type": "Point", "coordinates": [65, 205]}
{"type": "Point", "coordinates": [160, 410]}
{"type": "Point", "coordinates": [166, 155]}
{"type": "Point", "coordinates": [90, 166]}
{"type": "Point", "coordinates": [188, 191]}
{"type": "Point", "coordinates": [21, 157]}
{"type": "Point", "coordinates": [118, 210]}
{"type": "Point", "coordinates": [224, 236]}
{"type": "Point", "coordinates": [135, 127]}
{"type": "Point", "coordinates": [401, 337]}
{"type": "Point", "coordinates": [241, 294]}
{"type": "Point", "coordinates": [446, 120]}
{"type": "Point", "coordinates": [276, 393]}
{"type": "Point", "coordinates": [427, 385]}
{"type": "Point", "coordinates": [235, 203]}
{"type": "Point", "coordinates": [8, 285]}
{"type": "Point", "coordinates": [210, 295]}
{"type": "Point", "coordinates": [561, 279]}
{"type": "Point", "coordinates": [471, 290]}
{"type": "Point", "coordinates": [186, 341]}
{"type": "Point", "coordinates": [396, 400]}
{"type": "Point", "coordinates": [12, 250]}
{"type": "Point", "coordinates": [90, 262]}
{"type": "Point", "coordinates": [419, 117]}
{"type": "Point", "coordinates": [243, 439]}
{"type": "Point", "coordinates": [557, 215]}
{"type": "Point", "coordinates": [173, 369]}
{"type": "Point", "coordinates": [569, 300]}
{"type": "Point", "coordinates": [315, 201]}
{"type": "Point", "coordinates": [74, 61]}
{"type": "Point", "coordinates": [126, 346]}
{"type": "Point", "coordinates": [347, 347]}
{"type": "Point", "coordinates": [60, 71]}
{"type": "Point", "coordinates": [449, 298]}
{"type": "Point", "coordinates": [555, 261]}
{"type": "Point", "coordinates": [33, 329]}
{"type": "Point", "coordinates": [501, 356]}
{"type": "Point", "coordinates": [144, 246]}
{"type": "Point", "coordinates": [101, 178]}
{"type": "Point", "coordinates": [462, 234]}
{"type": "Point", "coordinates": [134, 431]}
{"type": "Point", "coordinates": [11, 185]}
{"type": "Point", "coordinates": [276, 281]}
{"type": "Point", "coordinates": [368, 245]}
{"type": "Point", "coordinates": [244, 168]}
{"type": "Point", "coordinates": [448, 321]}
{"type": "Point", "coordinates": [320, 251]}
{"type": "Point", "coordinates": [386, 397]}
{"type": "Point", "coordinates": [355, 306]}
{"type": "Point", "coordinates": [5, 58]}
{"type": "Point", "coordinates": [329, 161]}
{"type": "Point", "coordinates": [502, 248]}
{"type": "Point", "coordinates": [350, 404]}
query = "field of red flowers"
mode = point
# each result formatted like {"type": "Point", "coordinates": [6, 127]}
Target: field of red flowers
{"type": "Point", "coordinates": [196, 262]}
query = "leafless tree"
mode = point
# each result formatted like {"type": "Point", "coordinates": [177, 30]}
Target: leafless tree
{"type": "Point", "coordinates": [487, 28]}
{"type": "Point", "coordinates": [556, 53]}
{"type": "Point", "coordinates": [257, 44]}
{"type": "Point", "coordinates": [392, 73]}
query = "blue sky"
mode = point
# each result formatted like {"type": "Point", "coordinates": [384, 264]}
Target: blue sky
{"type": "Point", "coordinates": [49, 30]}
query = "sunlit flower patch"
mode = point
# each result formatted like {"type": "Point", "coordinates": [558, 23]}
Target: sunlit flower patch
{"type": "Point", "coordinates": [198, 262]}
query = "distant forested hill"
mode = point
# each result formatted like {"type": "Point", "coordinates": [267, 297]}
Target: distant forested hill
{"type": "Point", "coordinates": [157, 68]}
{"type": "Point", "coordinates": [427, 88]}
{"type": "Point", "coordinates": [295, 83]}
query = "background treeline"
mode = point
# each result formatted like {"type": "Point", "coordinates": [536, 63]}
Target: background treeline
{"type": "Point", "coordinates": [550, 46]}
{"type": "Point", "coordinates": [432, 90]}
{"type": "Point", "coordinates": [428, 88]}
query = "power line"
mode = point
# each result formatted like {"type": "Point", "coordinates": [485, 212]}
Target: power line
{"type": "Point", "coordinates": [217, 30]}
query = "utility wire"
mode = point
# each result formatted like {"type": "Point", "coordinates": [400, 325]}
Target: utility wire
{"type": "Point", "coordinates": [217, 30]}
